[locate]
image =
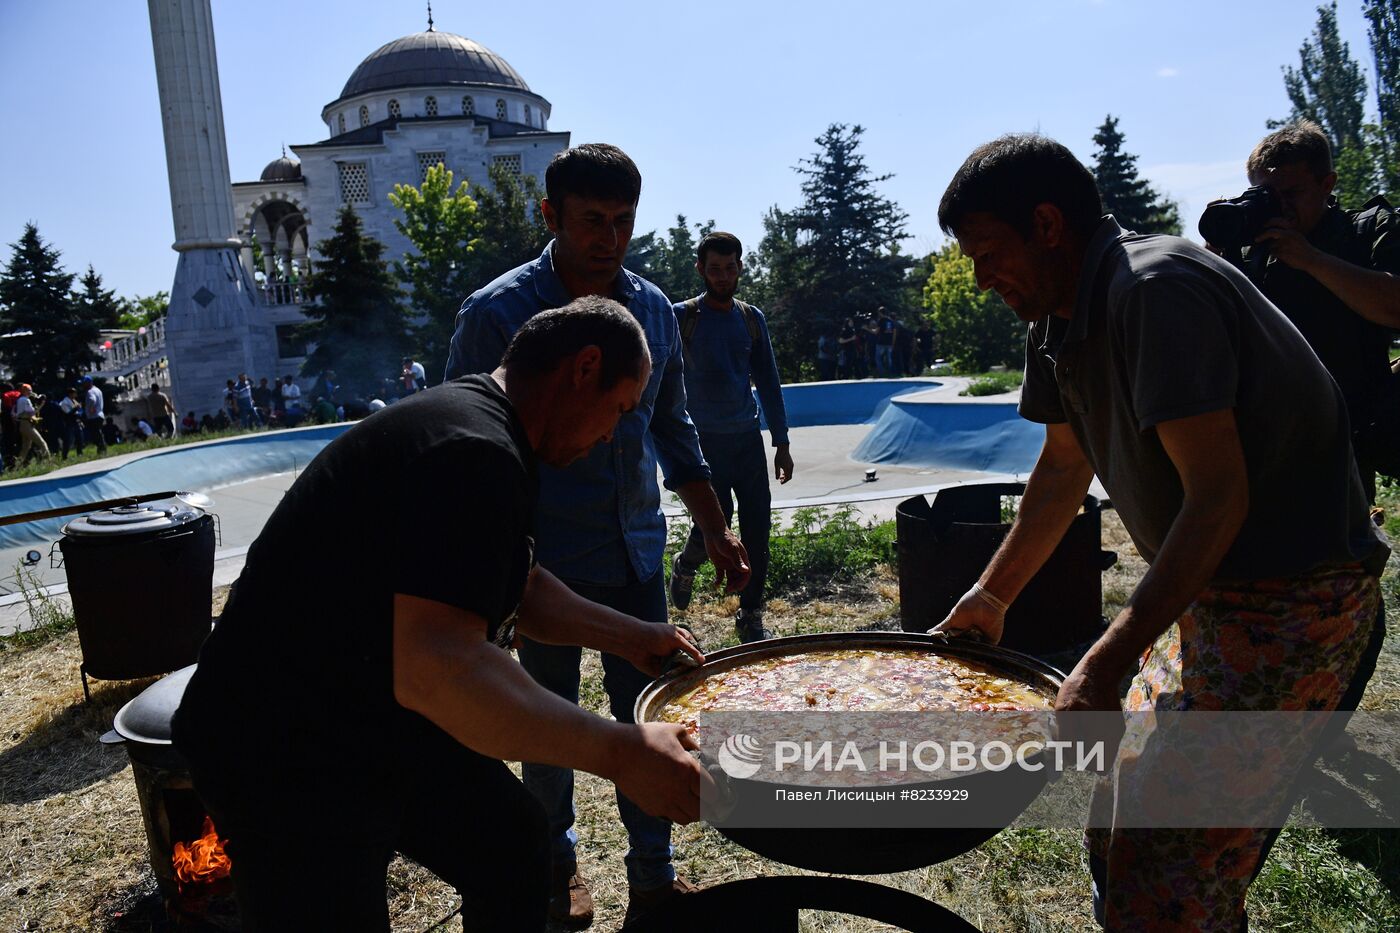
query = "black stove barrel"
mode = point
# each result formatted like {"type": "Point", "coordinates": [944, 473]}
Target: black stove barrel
{"type": "Point", "coordinates": [141, 580]}
{"type": "Point", "coordinates": [945, 545]}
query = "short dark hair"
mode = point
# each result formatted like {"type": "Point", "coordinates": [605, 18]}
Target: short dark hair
{"type": "Point", "coordinates": [551, 336]}
{"type": "Point", "coordinates": [593, 170]}
{"type": "Point", "coordinates": [726, 244]}
{"type": "Point", "coordinates": [1012, 175]}
{"type": "Point", "coordinates": [1299, 141]}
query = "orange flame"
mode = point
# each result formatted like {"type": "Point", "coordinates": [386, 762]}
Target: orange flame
{"type": "Point", "coordinates": [202, 861]}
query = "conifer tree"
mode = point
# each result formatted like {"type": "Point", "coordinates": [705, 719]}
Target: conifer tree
{"type": "Point", "coordinates": [99, 304]}
{"type": "Point", "coordinates": [1383, 29]}
{"type": "Point", "coordinates": [1129, 198]}
{"type": "Point", "coordinates": [1328, 86]}
{"type": "Point", "coordinates": [50, 337]}
{"type": "Point", "coordinates": [356, 321]}
{"type": "Point", "coordinates": [834, 256]}
{"type": "Point", "coordinates": [513, 231]}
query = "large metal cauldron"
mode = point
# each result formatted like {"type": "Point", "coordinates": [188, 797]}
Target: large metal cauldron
{"type": "Point", "coordinates": [871, 851]}
{"type": "Point", "coordinates": [141, 579]}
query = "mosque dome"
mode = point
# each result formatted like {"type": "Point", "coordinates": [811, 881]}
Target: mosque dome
{"type": "Point", "coordinates": [282, 169]}
{"type": "Point", "coordinates": [431, 58]}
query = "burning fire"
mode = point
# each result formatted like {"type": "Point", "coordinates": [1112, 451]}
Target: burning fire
{"type": "Point", "coordinates": [202, 861]}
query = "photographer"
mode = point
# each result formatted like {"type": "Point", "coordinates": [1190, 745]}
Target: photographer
{"type": "Point", "coordinates": [1332, 273]}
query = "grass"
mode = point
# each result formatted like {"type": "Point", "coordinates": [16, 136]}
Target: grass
{"type": "Point", "coordinates": [72, 851]}
{"type": "Point", "coordinates": [49, 618]}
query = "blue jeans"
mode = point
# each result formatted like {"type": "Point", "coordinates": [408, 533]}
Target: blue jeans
{"type": "Point", "coordinates": [738, 470]}
{"type": "Point", "coordinates": [556, 668]}
{"type": "Point", "coordinates": [883, 359]}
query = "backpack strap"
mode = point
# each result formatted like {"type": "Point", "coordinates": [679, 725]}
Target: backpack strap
{"type": "Point", "coordinates": [750, 319]}
{"type": "Point", "coordinates": [690, 317]}
{"type": "Point", "coordinates": [1369, 216]}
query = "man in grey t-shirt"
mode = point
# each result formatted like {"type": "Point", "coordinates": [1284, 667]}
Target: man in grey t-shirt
{"type": "Point", "coordinates": [1225, 448]}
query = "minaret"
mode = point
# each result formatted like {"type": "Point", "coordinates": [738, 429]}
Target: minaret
{"type": "Point", "coordinates": [216, 327]}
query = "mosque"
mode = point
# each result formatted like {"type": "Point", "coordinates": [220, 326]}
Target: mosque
{"type": "Point", "coordinates": [427, 98]}
{"type": "Point", "coordinates": [245, 247]}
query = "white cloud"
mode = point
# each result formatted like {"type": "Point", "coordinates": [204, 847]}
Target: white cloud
{"type": "Point", "coordinates": [1167, 72]}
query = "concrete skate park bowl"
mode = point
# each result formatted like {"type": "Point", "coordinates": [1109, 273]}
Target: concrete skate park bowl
{"type": "Point", "coordinates": [916, 423]}
{"type": "Point", "coordinates": [196, 467]}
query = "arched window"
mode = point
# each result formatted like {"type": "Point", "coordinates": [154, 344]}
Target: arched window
{"type": "Point", "coordinates": [500, 109]}
{"type": "Point", "coordinates": [364, 115]}
{"type": "Point", "coordinates": [340, 122]}
{"type": "Point", "coordinates": [468, 106]}
{"type": "Point", "coordinates": [394, 111]}
{"type": "Point", "coordinates": [430, 106]}
{"type": "Point", "coordinates": [527, 116]}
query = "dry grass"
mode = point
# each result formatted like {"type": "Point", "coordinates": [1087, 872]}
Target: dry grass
{"type": "Point", "coordinates": [72, 850]}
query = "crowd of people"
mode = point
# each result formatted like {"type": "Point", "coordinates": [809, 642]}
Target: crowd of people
{"type": "Point", "coordinates": [34, 426]}
{"type": "Point", "coordinates": [877, 345]}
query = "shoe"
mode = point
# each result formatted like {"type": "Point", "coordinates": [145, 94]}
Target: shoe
{"type": "Point", "coordinates": [750, 627]}
{"type": "Point", "coordinates": [570, 902]}
{"type": "Point", "coordinates": [682, 584]}
{"type": "Point", "coordinates": [640, 902]}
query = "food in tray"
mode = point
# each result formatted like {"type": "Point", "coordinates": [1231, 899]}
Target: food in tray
{"type": "Point", "coordinates": [856, 680]}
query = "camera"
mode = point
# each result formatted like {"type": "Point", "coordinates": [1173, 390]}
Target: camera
{"type": "Point", "coordinates": [1233, 223]}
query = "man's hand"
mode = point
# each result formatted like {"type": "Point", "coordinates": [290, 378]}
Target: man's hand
{"type": "Point", "coordinates": [973, 614]}
{"type": "Point", "coordinates": [1091, 687]}
{"type": "Point", "coordinates": [654, 643]}
{"type": "Point", "coordinates": [782, 464]}
{"type": "Point", "coordinates": [1287, 243]}
{"type": "Point", "coordinates": [730, 560]}
{"type": "Point", "coordinates": [653, 769]}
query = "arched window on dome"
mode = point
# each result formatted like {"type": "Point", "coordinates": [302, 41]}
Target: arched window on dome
{"type": "Point", "coordinates": [394, 110]}
{"type": "Point", "coordinates": [468, 106]}
{"type": "Point", "coordinates": [430, 106]}
{"type": "Point", "coordinates": [500, 108]}
{"type": "Point", "coordinates": [527, 116]}
{"type": "Point", "coordinates": [364, 115]}
{"type": "Point", "coordinates": [340, 123]}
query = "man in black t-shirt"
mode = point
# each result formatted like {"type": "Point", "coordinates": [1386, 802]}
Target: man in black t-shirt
{"type": "Point", "coordinates": [362, 693]}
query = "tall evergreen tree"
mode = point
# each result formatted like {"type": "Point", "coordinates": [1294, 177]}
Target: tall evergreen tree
{"type": "Point", "coordinates": [356, 321]}
{"type": "Point", "coordinates": [51, 338]}
{"type": "Point", "coordinates": [99, 304]}
{"type": "Point", "coordinates": [1328, 86]}
{"type": "Point", "coordinates": [672, 265]}
{"type": "Point", "coordinates": [443, 226]}
{"type": "Point", "coordinates": [1383, 29]}
{"type": "Point", "coordinates": [836, 255]}
{"type": "Point", "coordinates": [1129, 198]}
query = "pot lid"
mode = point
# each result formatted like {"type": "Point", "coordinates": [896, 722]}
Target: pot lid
{"type": "Point", "coordinates": [146, 718]}
{"type": "Point", "coordinates": [156, 515]}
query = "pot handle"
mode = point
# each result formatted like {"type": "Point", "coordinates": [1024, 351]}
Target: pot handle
{"type": "Point", "coordinates": [112, 737]}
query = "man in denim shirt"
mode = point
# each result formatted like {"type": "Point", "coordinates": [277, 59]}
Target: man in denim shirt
{"type": "Point", "coordinates": [600, 527]}
{"type": "Point", "coordinates": [727, 350]}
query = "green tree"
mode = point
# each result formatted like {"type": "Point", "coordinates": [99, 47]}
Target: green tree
{"type": "Point", "coordinates": [99, 304]}
{"type": "Point", "coordinates": [1129, 198]}
{"type": "Point", "coordinates": [834, 256]}
{"type": "Point", "coordinates": [356, 321]}
{"type": "Point", "coordinates": [976, 329]}
{"type": "Point", "coordinates": [143, 309]}
{"type": "Point", "coordinates": [443, 226]}
{"type": "Point", "coordinates": [513, 231]}
{"type": "Point", "coordinates": [1328, 86]}
{"type": "Point", "coordinates": [673, 267]}
{"type": "Point", "coordinates": [49, 337]}
{"type": "Point", "coordinates": [1383, 29]}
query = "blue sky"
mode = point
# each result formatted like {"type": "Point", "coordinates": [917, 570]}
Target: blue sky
{"type": "Point", "coordinates": [715, 101]}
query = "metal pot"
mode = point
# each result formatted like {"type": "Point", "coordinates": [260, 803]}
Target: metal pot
{"type": "Point", "coordinates": [873, 850]}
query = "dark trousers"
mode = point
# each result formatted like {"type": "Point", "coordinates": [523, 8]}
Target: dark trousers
{"type": "Point", "coordinates": [556, 668]}
{"type": "Point", "coordinates": [462, 816]}
{"type": "Point", "coordinates": [738, 470]}
{"type": "Point", "coordinates": [71, 436]}
{"type": "Point", "coordinates": [94, 431]}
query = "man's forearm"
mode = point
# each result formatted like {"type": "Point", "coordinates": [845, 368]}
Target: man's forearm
{"type": "Point", "coordinates": [1054, 494]}
{"type": "Point", "coordinates": [1371, 294]}
{"type": "Point", "coordinates": [555, 615]}
{"type": "Point", "coordinates": [699, 498]}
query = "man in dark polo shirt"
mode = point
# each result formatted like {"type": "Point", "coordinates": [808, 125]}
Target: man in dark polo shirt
{"type": "Point", "coordinates": [1223, 443]}
{"type": "Point", "coordinates": [359, 699]}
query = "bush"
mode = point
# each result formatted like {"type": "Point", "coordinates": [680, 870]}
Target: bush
{"type": "Point", "coordinates": [993, 383]}
{"type": "Point", "coordinates": [818, 548]}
